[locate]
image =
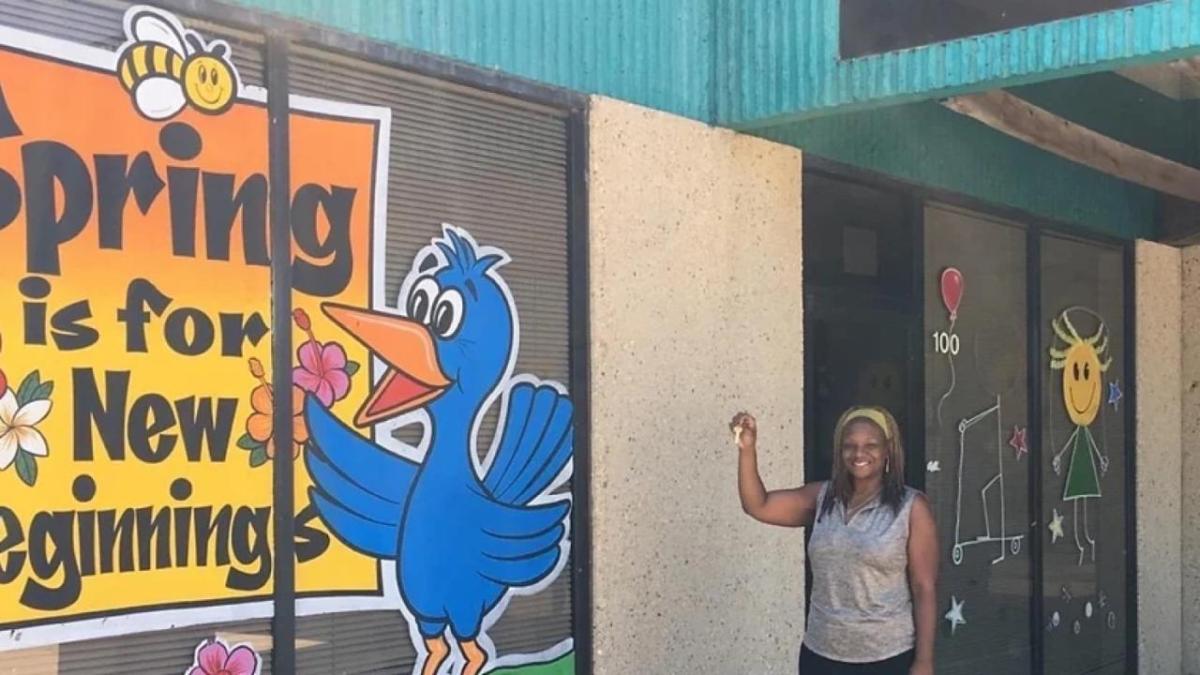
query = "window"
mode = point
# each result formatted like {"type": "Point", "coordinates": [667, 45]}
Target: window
{"type": "Point", "coordinates": [976, 416]}
{"type": "Point", "coordinates": [1085, 455]}
{"type": "Point", "coordinates": [427, 202]}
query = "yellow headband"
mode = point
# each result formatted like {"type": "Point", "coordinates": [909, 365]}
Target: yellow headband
{"type": "Point", "coordinates": [871, 415]}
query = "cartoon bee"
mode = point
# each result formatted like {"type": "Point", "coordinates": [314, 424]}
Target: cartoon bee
{"type": "Point", "coordinates": [165, 67]}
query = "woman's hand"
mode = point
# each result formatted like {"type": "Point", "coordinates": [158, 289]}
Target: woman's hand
{"type": "Point", "coordinates": [745, 431]}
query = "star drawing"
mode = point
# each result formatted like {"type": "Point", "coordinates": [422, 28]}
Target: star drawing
{"type": "Point", "coordinates": [1056, 527]}
{"type": "Point", "coordinates": [1018, 442]}
{"type": "Point", "coordinates": [955, 615]}
{"type": "Point", "coordinates": [1114, 394]}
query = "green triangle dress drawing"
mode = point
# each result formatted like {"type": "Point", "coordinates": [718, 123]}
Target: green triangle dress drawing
{"type": "Point", "coordinates": [1083, 362]}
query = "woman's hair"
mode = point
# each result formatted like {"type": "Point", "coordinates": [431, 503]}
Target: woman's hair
{"type": "Point", "coordinates": [841, 488]}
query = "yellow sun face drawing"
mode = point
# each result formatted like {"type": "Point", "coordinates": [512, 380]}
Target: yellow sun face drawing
{"type": "Point", "coordinates": [208, 81]}
{"type": "Point", "coordinates": [1083, 363]}
{"type": "Point", "coordinates": [1081, 384]}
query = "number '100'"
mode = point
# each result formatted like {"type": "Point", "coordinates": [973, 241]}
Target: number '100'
{"type": "Point", "coordinates": [945, 343]}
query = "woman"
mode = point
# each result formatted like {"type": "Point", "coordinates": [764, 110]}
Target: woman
{"type": "Point", "coordinates": [873, 550]}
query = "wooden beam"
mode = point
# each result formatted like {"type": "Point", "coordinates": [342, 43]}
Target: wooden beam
{"type": "Point", "coordinates": [1022, 120]}
{"type": "Point", "coordinates": [1158, 78]}
{"type": "Point", "coordinates": [1178, 80]}
{"type": "Point", "coordinates": [1189, 77]}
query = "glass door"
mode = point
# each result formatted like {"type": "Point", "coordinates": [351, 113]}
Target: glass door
{"type": "Point", "coordinates": [1085, 451]}
{"type": "Point", "coordinates": [1031, 501]}
{"type": "Point", "coordinates": [977, 444]}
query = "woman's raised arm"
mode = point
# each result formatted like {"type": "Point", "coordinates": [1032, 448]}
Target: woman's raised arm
{"type": "Point", "coordinates": [793, 507]}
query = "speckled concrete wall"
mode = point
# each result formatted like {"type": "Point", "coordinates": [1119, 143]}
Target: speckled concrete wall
{"type": "Point", "coordinates": [696, 312]}
{"type": "Point", "coordinates": [1159, 522]}
{"type": "Point", "coordinates": [1191, 460]}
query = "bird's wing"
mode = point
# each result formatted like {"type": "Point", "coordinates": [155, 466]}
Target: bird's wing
{"type": "Point", "coordinates": [536, 443]}
{"type": "Point", "coordinates": [521, 545]}
{"type": "Point", "coordinates": [358, 488]}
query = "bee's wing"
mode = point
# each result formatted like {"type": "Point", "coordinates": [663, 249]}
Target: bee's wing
{"type": "Point", "coordinates": [159, 97]}
{"type": "Point", "coordinates": [150, 26]}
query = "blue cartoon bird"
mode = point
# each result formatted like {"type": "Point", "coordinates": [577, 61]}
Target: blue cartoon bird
{"type": "Point", "coordinates": [463, 532]}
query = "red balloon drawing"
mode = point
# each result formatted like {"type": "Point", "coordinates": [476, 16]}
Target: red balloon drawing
{"type": "Point", "coordinates": [952, 290]}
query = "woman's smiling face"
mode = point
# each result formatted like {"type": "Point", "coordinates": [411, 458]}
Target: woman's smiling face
{"type": "Point", "coordinates": [864, 450]}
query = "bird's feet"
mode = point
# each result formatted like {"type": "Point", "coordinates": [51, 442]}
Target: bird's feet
{"type": "Point", "coordinates": [438, 651]}
{"type": "Point", "coordinates": [476, 657]}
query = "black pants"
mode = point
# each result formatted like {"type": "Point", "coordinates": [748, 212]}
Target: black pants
{"type": "Point", "coordinates": [815, 664]}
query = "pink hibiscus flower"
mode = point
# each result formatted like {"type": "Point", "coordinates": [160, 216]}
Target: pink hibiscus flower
{"type": "Point", "coordinates": [214, 658]}
{"type": "Point", "coordinates": [322, 371]}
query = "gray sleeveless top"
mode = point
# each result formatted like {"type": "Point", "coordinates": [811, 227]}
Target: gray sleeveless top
{"type": "Point", "coordinates": [861, 605]}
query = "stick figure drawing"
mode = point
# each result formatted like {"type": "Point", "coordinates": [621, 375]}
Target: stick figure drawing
{"type": "Point", "coordinates": [1083, 362]}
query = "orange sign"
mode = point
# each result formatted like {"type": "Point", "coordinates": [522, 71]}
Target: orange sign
{"type": "Point", "coordinates": [135, 439]}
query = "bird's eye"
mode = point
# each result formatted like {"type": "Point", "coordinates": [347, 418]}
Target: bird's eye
{"type": "Point", "coordinates": [214, 77]}
{"type": "Point", "coordinates": [420, 300]}
{"type": "Point", "coordinates": [1087, 371]}
{"type": "Point", "coordinates": [1076, 367]}
{"type": "Point", "coordinates": [203, 75]}
{"type": "Point", "coordinates": [448, 313]}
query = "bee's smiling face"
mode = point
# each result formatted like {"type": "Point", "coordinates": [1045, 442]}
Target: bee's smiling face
{"type": "Point", "coordinates": [209, 83]}
{"type": "Point", "coordinates": [1081, 383]}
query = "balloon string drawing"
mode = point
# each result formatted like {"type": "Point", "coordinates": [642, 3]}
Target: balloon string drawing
{"type": "Point", "coordinates": [1005, 540]}
{"type": "Point", "coordinates": [952, 286]}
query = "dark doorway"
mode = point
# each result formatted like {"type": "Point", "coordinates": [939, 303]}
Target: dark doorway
{"type": "Point", "coordinates": [862, 313]}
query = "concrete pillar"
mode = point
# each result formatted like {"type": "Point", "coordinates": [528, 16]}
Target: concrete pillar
{"type": "Point", "coordinates": [1159, 385]}
{"type": "Point", "coordinates": [696, 311]}
{"type": "Point", "coordinates": [1190, 380]}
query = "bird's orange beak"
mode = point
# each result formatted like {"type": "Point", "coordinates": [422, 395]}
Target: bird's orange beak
{"type": "Point", "coordinates": [413, 377]}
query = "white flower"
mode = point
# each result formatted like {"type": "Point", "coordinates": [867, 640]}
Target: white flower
{"type": "Point", "coordinates": [18, 430]}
